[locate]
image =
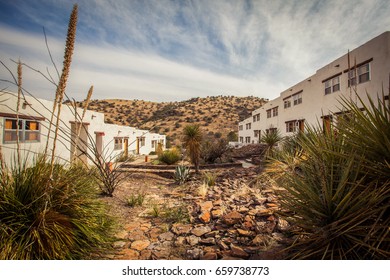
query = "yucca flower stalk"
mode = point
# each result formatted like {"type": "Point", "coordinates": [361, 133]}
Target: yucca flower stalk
{"type": "Point", "coordinates": [18, 110]}
{"type": "Point", "coordinates": [60, 92]}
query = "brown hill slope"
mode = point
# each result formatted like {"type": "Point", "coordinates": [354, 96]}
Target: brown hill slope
{"type": "Point", "coordinates": [216, 115]}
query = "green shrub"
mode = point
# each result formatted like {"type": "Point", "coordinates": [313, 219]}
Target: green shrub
{"type": "Point", "coordinates": [60, 218]}
{"type": "Point", "coordinates": [337, 187]}
{"type": "Point", "coordinates": [169, 157]}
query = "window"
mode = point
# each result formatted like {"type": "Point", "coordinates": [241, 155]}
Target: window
{"type": "Point", "coordinates": [271, 130]}
{"type": "Point", "coordinates": [287, 103]}
{"type": "Point", "coordinates": [240, 127]}
{"type": "Point", "coordinates": [142, 141]}
{"type": "Point", "coordinates": [291, 126]}
{"type": "Point", "coordinates": [241, 139]}
{"type": "Point", "coordinates": [268, 113]}
{"type": "Point", "coordinates": [247, 139]}
{"type": "Point", "coordinates": [248, 126]}
{"type": "Point", "coordinates": [257, 133]}
{"type": "Point", "coordinates": [118, 143]}
{"type": "Point", "coordinates": [29, 130]}
{"type": "Point", "coordinates": [297, 98]}
{"type": "Point", "coordinates": [332, 85]}
{"type": "Point", "coordinates": [256, 118]}
{"type": "Point", "coordinates": [154, 144]}
{"type": "Point", "coordinates": [275, 111]}
{"type": "Point", "coordinates": [362, 72]}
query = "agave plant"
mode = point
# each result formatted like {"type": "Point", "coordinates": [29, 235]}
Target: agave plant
{"type": "Point", "coordinates": [182, 174]}
{"type": "Point", "coordinates": [338, 192]}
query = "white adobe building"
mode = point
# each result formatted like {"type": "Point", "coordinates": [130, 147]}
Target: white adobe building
{"type": "Point", "coordinates": [316, 100]}
{"type": "Point", "coordinates": [97, 138]}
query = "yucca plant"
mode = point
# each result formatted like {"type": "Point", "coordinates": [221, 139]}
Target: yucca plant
{"type": "Point", "coordinates": [192, 140]}
{"type": "Point", "coordinates": [66, 221]}
{"type": "Point", "coordinates": [271, 139]}
{"type": "Point", "coordinates": [182, 174]}
{"type": "Point", "coordinates": [339, 203]}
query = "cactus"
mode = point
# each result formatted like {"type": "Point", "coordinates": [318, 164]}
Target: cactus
{"type": "Point", "coordinates": [182, 174]}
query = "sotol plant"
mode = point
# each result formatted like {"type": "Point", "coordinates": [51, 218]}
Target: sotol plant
{"type": "Point", "coordinates": [337, 186]}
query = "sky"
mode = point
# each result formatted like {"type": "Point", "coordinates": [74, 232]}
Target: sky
{"type": "Point", "coordinates": [160, 50]}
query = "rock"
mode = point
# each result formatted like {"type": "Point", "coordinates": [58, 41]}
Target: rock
{"type": "Point", "coordinates": [283, 225]}
{"type": "Point", "coordinates": [137, 235]}
{"type": "Point", "coordinates": [122, 234]}
{"type": "Point", "coordinates": [199, 231]}
{"type": "Point", "coordinates": [132, 226]}
{"type": "Point", "coordinates": [192, 240]}
{"type": "Point", "coordinates": [211, 233]}
{"type": "Point", "coordinates": [206, 206]}
{"type": "Point", "coordinates": [223, 245]}
{"type": "Point", "coordinates": [272, 205]}
{"type": "Point", "coordinates": [243, 210]}
{"type": "Point", "coordinates": [119, 244]}
{"type": "Point", "coordinates": [145, 255]}
{"type": "Point", "coordinates": [166, 236]}
{"type": "Point", "coordinates": [217, 202]}
{"type": "Point", "coordinates": [130, 254]}
{"type": "Point", "coordinates": [238, 251]}
{"type": "Point", "coordinates": [264, 212]}
{"type": "Point", "coordinates": [207, 241]}
{"type": "Point", "coordinates": [154, 233]}
{"type": "Point", "coordinates": [260, 240]}
{"type": "Point", "coordinates": [180, 241]}
{"type": "Point", "coordinates": [209, 256]}
{"type": "Point", "coordinates": [245, 232]}
{"type": "Point", "coordinates": [181, 229]}
{"type": "Point", "coordinates": [160, 255]}
{"type": "Point", "coordinates": [195, 254]}
{"type": "Point", "coordinates": [145, 226]}
{"type": "Point", "coordinates": [140, 245]}
{"type": "Point", "coordinates": [232, 218]}
{"type": "Point", "coordinates": [205, 217]}
{"type": "Point", "coordinates": [217, 213]}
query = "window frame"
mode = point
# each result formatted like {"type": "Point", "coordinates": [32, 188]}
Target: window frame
{"type": "Point", "coordinates": [22, 129]}
{"type": "Point", "coordinates": [275, 111]}
{"type": "Point", "coordinates": [297, 99]}
{"type": "Point", "coordinates": [355, 75]}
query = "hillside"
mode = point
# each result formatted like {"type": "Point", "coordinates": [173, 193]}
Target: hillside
{"type": "Point", "coordinates": [217, 115]}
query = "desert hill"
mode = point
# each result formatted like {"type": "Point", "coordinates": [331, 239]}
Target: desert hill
{"type": "Point", "coordinates": [216, 115]}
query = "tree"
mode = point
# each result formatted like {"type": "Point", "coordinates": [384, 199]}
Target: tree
{"type": "Point", "coordinates": [192, 140]}
{"type": "Point", "coordinates": [232, 137]}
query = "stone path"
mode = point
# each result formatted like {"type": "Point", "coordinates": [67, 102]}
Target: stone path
{"type": "Point", "coordinates": [235, 219]}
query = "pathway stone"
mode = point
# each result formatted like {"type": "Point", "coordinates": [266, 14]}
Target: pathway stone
{"type": "Point", "coordinates": [140, 245]}
{"type": "Point", "coordinates": [199, 231]}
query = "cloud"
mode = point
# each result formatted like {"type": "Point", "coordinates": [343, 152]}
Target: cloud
{"type": "Point", "coordinates": [173, 50]}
